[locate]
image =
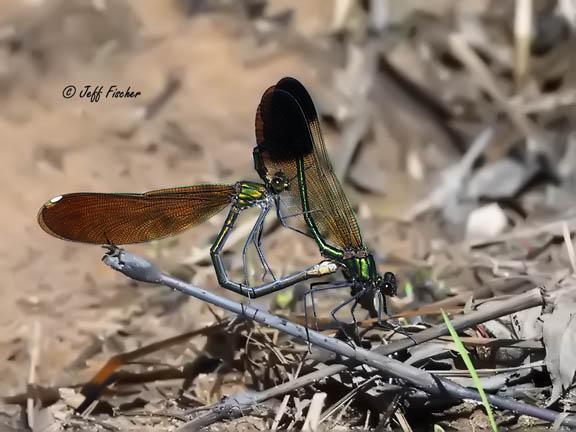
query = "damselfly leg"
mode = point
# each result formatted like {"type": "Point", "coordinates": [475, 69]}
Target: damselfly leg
{"type": "Point", "coordinates": [282, 218]}
{"type": "Point", "coordinates": [255, 238]}
{"type": "Point", "coordinates": [387, 323]}
{"type": "Point", "coordinates": [355, 299]}
{"type": "Point", "coordinates": [318, 286]}
{"type": "Point", "coordinates": [313, 288]}
{"type": "Point", "coordinates": [321, 269]}
{"type": "Point", "coordinates": [258, 244]}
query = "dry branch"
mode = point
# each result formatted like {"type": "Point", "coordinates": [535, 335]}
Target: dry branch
{"type": "Point", "coordinates": [140, 269]}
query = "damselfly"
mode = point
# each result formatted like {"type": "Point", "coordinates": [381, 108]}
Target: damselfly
{"type": "Point", "coordinates": [114, 218]}
{"type": "Point", "coordinates": [291, 158]}
{"type": "Point", "coordinates": [125, 218]}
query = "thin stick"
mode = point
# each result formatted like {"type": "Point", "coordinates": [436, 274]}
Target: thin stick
{"type": "Point", "coordinates": [569, 246]}
{"type": "Point", "coordinates": [486, 81]}
{"type": "Point", "coordinates": [34, 356]}
{"type": "Point", "coordinates": [553, 228]}
{"type": "Point", "coordinates": [522, 39]}
{"type": "Point", "coordinates": [140, 269]}
{"type": "Point", "coordinates": [280, 413]}
{"type": "Point", "coordinates": [524, 301]}
{"type": "Point", "coordinates": [106, 375]}
{"type": "Point", "coordinates": [313, 418]}
{"type": "Point", "coordinates": [517, 303]}
{"type": "Point", "coordinates": [346, 398]}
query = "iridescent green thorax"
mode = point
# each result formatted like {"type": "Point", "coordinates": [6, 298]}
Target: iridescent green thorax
{"type": "Point", "coordinates": [360, 267]}
{"type": "Point", "coordinates": [247, 193]}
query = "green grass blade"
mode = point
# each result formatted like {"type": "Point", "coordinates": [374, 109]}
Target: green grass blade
{"type": "Point", "coordinates": [285, 298]}
{"type": "Point", "coordinates": [464, 354]}
{"type": "Point", "coordinates": [408, 288]}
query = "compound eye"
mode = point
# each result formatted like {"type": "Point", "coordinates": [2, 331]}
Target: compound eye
{"type": "Point", "coordinates": [389, 283]}
{"type": "Point", "coordinates": [278, 182]}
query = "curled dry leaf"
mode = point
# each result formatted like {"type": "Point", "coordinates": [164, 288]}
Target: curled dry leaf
{"type": "Point", "coordinates": [559, 336]}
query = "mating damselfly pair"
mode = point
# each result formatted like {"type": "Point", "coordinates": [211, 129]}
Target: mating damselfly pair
{"type": "Point", "coordinates": [298, 181]}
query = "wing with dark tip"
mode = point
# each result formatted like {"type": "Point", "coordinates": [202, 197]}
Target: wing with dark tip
{"type": "Point", "coordinates": [104, 218]}
{"type": "Point", "coordinates": [287, 129]}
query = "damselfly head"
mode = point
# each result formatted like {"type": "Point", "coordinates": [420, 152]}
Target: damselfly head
{"type": "Point", "coordinates": [279, 182]}
{"type": "Point", "coordinates": [387, 284]}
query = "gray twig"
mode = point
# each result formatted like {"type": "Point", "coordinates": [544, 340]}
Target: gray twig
{"type": "Point", "coordinates": [140, 269]}
{"type": "Point", "coordinates": [524, 301]}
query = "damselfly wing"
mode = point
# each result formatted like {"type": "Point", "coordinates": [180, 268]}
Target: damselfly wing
{"type": "Point", "coordinates": [288, 131]}
{"type": "Point", "coordinates": [290, 147]}
{"type": "Point", "coordinates": [117, 218]}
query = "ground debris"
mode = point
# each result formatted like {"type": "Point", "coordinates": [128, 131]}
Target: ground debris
{"type": "Point", "coordinates": [450, 125]}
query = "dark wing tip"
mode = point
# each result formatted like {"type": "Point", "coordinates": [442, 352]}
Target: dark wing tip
{"type": "Point", "coordinates": [299, 92]}
{"type": "Point", "coordinates": [283, 131]}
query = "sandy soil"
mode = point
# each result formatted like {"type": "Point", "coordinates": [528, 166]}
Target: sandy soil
{"type": "Point", "coordinates": [51, 145]}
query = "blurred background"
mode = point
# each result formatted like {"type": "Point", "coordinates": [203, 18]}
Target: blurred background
{"type": "Point", "coordinates": [449, 124]}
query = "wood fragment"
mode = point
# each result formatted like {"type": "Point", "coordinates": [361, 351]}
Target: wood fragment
{"type": "Point", "coordinates": [280, 413]}
{"type": "Point", "coordinates": [486, 81]}
{"type": "Point", "coordinates": [569, 246]}
{"type": "Point", "coordinates": [523, 33]}
{"type": "Point", "coordinates": [314, 410]}
{"type": "Point", "coordinates": [140, 269]}
{"type": "Point", "coordinates": [34, 350]}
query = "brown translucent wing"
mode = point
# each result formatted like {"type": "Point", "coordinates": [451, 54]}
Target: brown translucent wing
{"type": "Point", "coordinates": [102, 218]}
{"type": "Point", "coordinates": [287, 128]}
